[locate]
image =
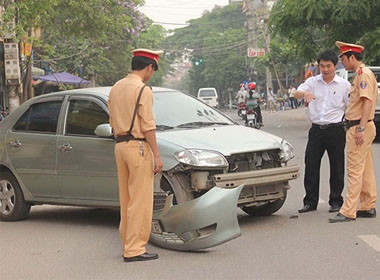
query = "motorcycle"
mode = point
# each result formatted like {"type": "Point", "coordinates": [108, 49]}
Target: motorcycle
{"type": "Point", "coordinates": [242, 110]}
{"type": "Point", "coordinates": [3, 113]}
{"type": "Point", "coordinates": [251, 119]}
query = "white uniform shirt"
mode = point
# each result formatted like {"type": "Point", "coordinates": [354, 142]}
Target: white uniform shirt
{"type": "Point", "coordinates": [241, 95]}
{"type": "Point", "coordinates": [330, 99]}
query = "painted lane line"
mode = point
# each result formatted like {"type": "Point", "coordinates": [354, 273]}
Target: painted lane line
{"type": "Point", "coordinates": [372, 240]}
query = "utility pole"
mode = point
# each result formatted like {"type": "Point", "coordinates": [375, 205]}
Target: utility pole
{"type": "Point", "coordinates": [268, 73]}
{"type": "Point", "coordinates": [11, 63]}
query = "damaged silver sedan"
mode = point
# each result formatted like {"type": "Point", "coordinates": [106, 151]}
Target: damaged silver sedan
{"type": "Point", "coordinates": [58, 149]}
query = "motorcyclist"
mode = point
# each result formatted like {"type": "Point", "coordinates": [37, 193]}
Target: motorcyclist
{"type": "Point", "coordinates": [241, 97]}
{"type": "Point", "coordinates": [242, 94]}
{"type": "Point", "coordinates": [253, 102]}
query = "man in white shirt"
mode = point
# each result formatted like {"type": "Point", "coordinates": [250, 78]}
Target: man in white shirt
{"type": "Point", "coordinates": [242, 94]}
{"type": "Point", "coordinates": [327, 97]}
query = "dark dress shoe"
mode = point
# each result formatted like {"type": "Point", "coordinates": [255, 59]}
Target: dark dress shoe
{"type": "Point", "coordinates": [143, 257]}
{"type": "Point", "coordinates": [339, 218]}
{"type": "Point", "coordinates": [307, 208]}
{"type": "Point", "coordinates": [371, 213]}
{"type": "Point", "coordinates": [334, 208]}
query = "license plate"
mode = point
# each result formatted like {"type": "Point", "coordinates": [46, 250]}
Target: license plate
{"type": "Point", "coordinates": [250, 117]}
{"type": "Point", "coordinates": [243, 112]}
{"type": "Point", "coordinates": [156, 227]}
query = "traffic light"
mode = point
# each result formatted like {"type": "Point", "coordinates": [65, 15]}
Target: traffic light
{"type": "Point", "coordinates": [198, 62]}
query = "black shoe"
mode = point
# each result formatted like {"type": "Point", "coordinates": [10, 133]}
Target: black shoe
{"type": "Point", "coordinates": [371, 213]}
{"type": "Point", "coordinates": [339, 218]}
{"type": "Point", "coordinates": [307, 208]}
{"type": "Point", "coordinates": [143, 257]}
{"type": "Point", "coordinates": [334, 208]}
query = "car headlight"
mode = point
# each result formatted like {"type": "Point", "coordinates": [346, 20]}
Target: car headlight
{"type": "Point", "coordinates": [287, 151]}
{"type": "Point", "coordinates": [201, 158]}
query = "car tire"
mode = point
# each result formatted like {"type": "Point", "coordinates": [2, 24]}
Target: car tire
{"type": "Point", "coordinates": [12, 203]}
{"type": "Point", "coordinates": [266, 209]}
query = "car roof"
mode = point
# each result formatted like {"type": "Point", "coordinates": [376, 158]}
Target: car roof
{"type": "Point", "coordinates": [99, 91]}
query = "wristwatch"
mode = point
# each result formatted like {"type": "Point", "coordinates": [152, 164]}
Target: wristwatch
{"type": "Point", "coordinates": [361, 128]}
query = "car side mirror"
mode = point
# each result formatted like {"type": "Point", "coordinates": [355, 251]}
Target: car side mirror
{"type": "Point", "coordinates": [104, 130]}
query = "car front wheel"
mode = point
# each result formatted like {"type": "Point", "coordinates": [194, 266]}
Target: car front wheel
{"type": "Point", "coordinates": [265, 209]}
{"type": "Point", "coordinates": [12, 203]}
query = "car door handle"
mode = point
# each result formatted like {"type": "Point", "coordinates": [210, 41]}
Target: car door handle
{"type": "Point", "coordinates": [15, 143]}
{"type": "Point", "coordinates": [65, 147]}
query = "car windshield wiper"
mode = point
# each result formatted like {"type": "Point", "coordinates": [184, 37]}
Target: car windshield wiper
{"type": "Point", "coordinates": [163, 127]}
{"type": "Point", "coordinates": [200, 124]}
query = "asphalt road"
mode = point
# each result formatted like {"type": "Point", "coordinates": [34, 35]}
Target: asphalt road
{"type": "Point", "coordinates": [83, 243]}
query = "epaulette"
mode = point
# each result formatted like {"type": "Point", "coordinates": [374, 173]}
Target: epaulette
{"type": "Point", "coordinates": [360, 71]}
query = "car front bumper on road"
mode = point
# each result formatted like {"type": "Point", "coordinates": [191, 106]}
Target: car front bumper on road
{"type": "Point", "coordinates": [204, 222]}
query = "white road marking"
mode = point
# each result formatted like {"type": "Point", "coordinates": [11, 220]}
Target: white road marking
{"type": "Point", "coordinates": [372, 240]}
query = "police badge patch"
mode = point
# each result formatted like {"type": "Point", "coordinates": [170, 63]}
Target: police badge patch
{"type": "Point", "coordinates": [363, 84]}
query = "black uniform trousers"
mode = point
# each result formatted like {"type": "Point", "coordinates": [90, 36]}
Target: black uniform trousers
{"type": "Point", "coordinates": [330, 138]}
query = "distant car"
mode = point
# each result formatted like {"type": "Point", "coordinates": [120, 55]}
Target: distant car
{"type": "Point", "coordinates": [58, 149]}
{"type": "Point", "coordinates": [209, 96]}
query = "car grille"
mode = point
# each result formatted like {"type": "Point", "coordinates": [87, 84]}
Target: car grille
{"type": "Point", "coordinates": [159, 200]}
{"type": "Point", "coordinates": [253, 161]}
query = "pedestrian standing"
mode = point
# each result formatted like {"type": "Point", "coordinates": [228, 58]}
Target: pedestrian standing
{"type": "Point", "coordinates": [327, 96]}
{"type": "Point", "coordinates": [360, 135]}
{"type": "Point", "coordinates": [271, 101]}
{"type": "Point", "coordinates": [292, 100]}
{"type": "Point", "coordinates": [136, 151]}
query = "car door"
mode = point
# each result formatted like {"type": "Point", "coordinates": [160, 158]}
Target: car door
{"type": "Point", "coordinates": [31, 147]}
{"type": "Point", "coordinates": [86, 163]}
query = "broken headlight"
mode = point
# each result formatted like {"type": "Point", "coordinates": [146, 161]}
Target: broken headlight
{"type": "Point", "coordinates": [201, 158]}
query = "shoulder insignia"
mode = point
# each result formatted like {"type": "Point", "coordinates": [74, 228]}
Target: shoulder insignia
{"type": "Point", "coordinates": [363, 84]}
{"type": "Point", "coordinates": [360, 71]}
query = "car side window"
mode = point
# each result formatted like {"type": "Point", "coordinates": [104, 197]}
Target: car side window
{"type": "Point", "coordinates": [83, 117]}
{"type": "Point", "coordinates": [40, 117]}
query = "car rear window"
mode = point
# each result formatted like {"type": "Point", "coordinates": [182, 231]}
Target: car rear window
{"type": "Point", "coordinates": [40, 117]}
{"type": "Point", "coordinates": [207, 93]}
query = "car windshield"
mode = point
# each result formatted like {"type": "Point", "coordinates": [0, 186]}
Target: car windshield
{"type": "Point", "coordinates": [175, 109]}
{"type": "Point", "coordinates": [206, 93]}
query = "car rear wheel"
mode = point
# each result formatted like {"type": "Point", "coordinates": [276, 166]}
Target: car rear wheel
{"type": "Point", "coordinates": [266, 209]}
{"type": "Point", "coordinates": [12, 203]}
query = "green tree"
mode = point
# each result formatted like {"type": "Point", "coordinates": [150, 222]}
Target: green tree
{"type": "Point", "coordinates": [312, 25]}
{"type": "Point", "coordinates": [216, 45]}
{"type": "Point", "coordinates": [93, 38]}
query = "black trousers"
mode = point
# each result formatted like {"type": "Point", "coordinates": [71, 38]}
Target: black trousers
{"type": "Point", "coordinates": [333, 140]}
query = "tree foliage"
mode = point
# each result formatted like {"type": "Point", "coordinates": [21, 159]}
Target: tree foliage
{"type": "Point", "coordinates": [312, 25]}
{"type": "Point", "coordinates": [216, 45]}
{"type": "Point", "coordinates": [92, 39]}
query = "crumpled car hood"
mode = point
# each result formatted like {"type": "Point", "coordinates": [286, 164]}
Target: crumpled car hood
{"type": "Point", "coordinates": [229, 139]}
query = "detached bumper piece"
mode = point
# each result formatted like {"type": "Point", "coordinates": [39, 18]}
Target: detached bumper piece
{"type": "Point", "coordinates": [205, 222]}
{"type": "Point", "coordinates": [257, 177]}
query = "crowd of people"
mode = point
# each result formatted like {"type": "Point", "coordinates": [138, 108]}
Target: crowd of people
{"type": "Point", "coordinates": [272, 102]}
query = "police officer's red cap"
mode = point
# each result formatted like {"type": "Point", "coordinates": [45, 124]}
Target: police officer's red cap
{"type": "Point", "coordinates": [155, 55]}
{"type": "Point", "coordinates": [346, 47]}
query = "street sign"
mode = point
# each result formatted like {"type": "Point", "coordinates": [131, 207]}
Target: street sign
{"type": "Point", "coordinates": [255, 52]}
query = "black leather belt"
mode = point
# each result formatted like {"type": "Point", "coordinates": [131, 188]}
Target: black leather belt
{"type": "Point", "coordinates": [349, 123]}
{"type": "Point", "coordinates": [329, 125]}
{"type": "Point", "coordinates": [127, 137]}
